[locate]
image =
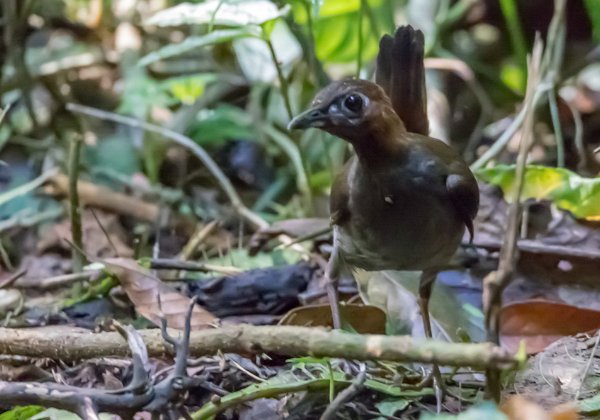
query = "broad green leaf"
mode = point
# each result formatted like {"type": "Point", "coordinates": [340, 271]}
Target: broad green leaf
{"type": "Point", "coordinates": [215, 37]}
{"type": "Point", "coordinates": [569, 191]}
{"type": "Point", "coordinates": [115, 152]}
{"type": "Point", "coordinates": [219, 12]}
{"type": "Point", "coordinates": [589, 405]}
{"type": "Point", "coordinates": [21, 413]}
{"type": "Point", "coordinates": [254, 56]}
{"type": "Point", "coordinates": [141, 93]}
{"type": "Point", "coordinates": [189, 88]}
{"type": "Point", "coordinates": [223, 123]}
{"type": "Point", "coordinates": [335, 29]}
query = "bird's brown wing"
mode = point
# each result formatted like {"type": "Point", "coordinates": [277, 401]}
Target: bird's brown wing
{"type": "Point", "coordinates": [340, 195]}
{"type": "Point", "coordinates": [401, 74]}
{"type": "Point", "coordinates": [461, 184]}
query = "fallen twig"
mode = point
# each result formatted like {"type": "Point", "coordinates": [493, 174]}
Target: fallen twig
{"type": "Point", "coordinates": [104, 198]}
{"type": "Point", "coordinates": [172, 264]}
{"type": "Point", "coordinates": [288, 341]}
{"type": "Point", "coordinates": [142, 394]}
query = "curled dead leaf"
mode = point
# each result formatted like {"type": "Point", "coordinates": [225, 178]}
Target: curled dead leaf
{"type": "Point", "coordinates": [365, 319]}
{"type": "Point", "coordinates": [155, 300]}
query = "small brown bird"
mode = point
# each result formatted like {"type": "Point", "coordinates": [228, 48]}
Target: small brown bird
{"type": "Point", "coordinates": [402, 202]}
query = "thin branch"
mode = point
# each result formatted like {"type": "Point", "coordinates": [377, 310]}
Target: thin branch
{"type": "Point", "coordinates": [283, 84]}
{"type": "Point", "coordinates": [346, 395]}
{"type": "Point", "coordinates": [27, 187]}
{"type": "Point", "coordinates": [107, 199]}
{"type": "Point", "coordinates": [74, 207]}
{"type": "Point", "coordinates": [287, 341]}
{"type": "Point", "coordinates": [172, 264]}
{"type": "Point", "coordinates": [588, 365]}
{"type": "Point", "coordinates": [189, 144]}
{"type": "Point", "coordinates": [496, 282]}
{"type": "Point", "coordinates": [558, 134]}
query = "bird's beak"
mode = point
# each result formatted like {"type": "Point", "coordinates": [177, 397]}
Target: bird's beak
{"type": "Point", "coordinates": [313, 117]}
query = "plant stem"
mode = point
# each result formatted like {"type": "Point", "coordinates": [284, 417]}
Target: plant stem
{"type": "Point", "coordinates": [254, 392]}
{"type": "Point", "coordinates": [515, 32]}
{"type": "Point", "coordinates": [74, 208]}
{"type": "Point", "coordinates": [560, 141]}
{"type": "Point", "coordinates": [293, 152]}
{"type": "Point", "coordinates": [496, 281]}
{"type": "Point", "coordinates": [283, 84]}
{"type": "Point", "coordinates": [312, 53]}
{"type": "Point", "coordinates": [360, 38]}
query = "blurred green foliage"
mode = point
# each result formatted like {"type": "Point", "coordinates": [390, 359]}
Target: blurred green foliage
{"type": "Point", "coordinates": [223, 70]}
{"type": "Point", "coordinates": [569, 191]}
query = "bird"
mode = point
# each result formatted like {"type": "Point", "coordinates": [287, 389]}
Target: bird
{"type": "Point", "coordinates": [404, 199]}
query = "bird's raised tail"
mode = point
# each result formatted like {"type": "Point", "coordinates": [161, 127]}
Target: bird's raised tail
{"type": "Point", "coordinates": [401, 74]}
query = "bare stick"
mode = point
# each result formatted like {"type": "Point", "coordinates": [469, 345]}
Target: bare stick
{"type": "Point", "coordinates": [282, 340]}
{"type": "Point", "coordinates": [172, 264]}
{"type": "Point", "coordinates": [496, 282]}
{"type": "Point", "coordinates": [74, 207]}
{"type": "Point", "coordinates": [189, 144]}
{"type": "Point", "coordinates": [104, 198]}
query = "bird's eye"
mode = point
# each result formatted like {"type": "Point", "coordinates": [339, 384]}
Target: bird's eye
{"type": "Point", "coordinates": [353, 103]}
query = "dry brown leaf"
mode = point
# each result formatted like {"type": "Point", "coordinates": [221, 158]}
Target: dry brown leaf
{"type": "Point", "coordinates": [365, 319]}
{"type": "Point", "coordinates": [144, 289]}
{"type": "Point", "coordinates": [518, 407]}
{"type": "Point", "coordinates": [541, 322]}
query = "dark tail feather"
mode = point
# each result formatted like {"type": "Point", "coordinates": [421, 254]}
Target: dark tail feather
{"type": "Point", "coordinates": [401, 74]}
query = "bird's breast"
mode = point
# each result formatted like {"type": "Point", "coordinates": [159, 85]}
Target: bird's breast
{"type": "Point", "coordinates": [399, 221]}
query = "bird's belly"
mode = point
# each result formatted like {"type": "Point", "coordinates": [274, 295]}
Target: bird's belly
{"type": "Point", "coordinates": [413, 234]}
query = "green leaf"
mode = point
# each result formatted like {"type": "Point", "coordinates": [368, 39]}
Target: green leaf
{"type": "Point", "coordinates": [21, 413]}
{"type": "Point", "coordinates": [513, 76]}
{"type": "Point", "coordinates": [255, 59]}
{"type": "Point", "coordinates": [141, 93]}
{"type": "Point", "coordinates": [213, 38]}
{"type": "Point", "coordinates": [223, 123]}
{"type": "Point", "coordinates": [589, 405]}
{"type": "Point", "coordinates": [335, 29]}
{"type": "Point", "coordinates": [219, 12]}
{"type": "Point", "coordinates": [566, 189]}
{"type": "Point", "coordinates": [189, 88]}
{"type": "Point", "coordinates": [593, 9]}
{"type": "Point", "coordinates": [487, 410]}
{"type": "Point", "coordinates": [114, 152]}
